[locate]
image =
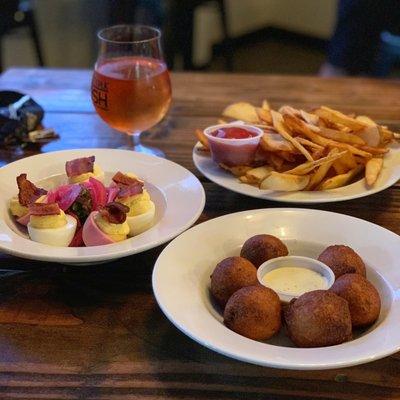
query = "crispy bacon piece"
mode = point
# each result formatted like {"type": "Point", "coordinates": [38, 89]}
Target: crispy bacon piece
{"type": "Point", "coordinates": [44, 209]}
{"type": "Point", "coordinates": [131, 190]}
{"type": "Point", "coordinates": [114, 212]}
{"type": "Point", "coordinates": [79, 166]}
{"type": "Point", "coordinates": [128, 186]}
{"type": "Point", "coordinates": [28, 192]}
{"type": "Point", "coordinates": [121, 179]}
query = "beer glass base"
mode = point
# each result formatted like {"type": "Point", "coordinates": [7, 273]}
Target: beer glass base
{"type": "Point", "coordinates": [144, 149]}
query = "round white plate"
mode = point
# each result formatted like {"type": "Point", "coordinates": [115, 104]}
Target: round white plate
{"type": "Point", "coordinates": [181, 280]}
{"type": "Point", "coordinates": [390, 175]}
{"type": "Point", "coordinates": [178, 195]}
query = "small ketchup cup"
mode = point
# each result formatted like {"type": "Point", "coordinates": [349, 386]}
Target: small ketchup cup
{"type": "Point", "coordinates": [233, 151]}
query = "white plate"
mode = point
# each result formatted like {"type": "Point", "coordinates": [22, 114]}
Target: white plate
{"type": "Point", "coordinates": [388, 177]}
{"type": "Point", "coordinates": [178, 195]}
{"type": "Point", "coordinates": [181, 280]}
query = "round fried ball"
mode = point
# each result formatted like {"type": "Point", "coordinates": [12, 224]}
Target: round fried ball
{"type": "Point", "coordinates": [230, 275]}
{"type": "Point", "coordinates": [318, 318]}
{"type": "Point", "coordinates": [254, 312]}
{"type": "Point", "coordinates": [362, 296]}
{"type": "Point", "coordinates": [342, 260]}
{"type": "Point", "coordinates": [261, 248]}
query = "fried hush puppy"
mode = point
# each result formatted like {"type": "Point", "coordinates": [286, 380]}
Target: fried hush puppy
{"type": "Point", "coordinates": [230, 275]}
{"type": "Point", "coordinates": [261, 248]}
{"type": "Point", "coordinates": [342, 260]}
{"type": "Point", "coordinates": [363, 298]}
{"type": "Point", "coordinates": [254, 312]}
{"type": "Point", "coordinates": [318, 318]}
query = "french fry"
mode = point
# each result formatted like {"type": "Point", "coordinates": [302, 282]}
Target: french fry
{"type": "Point", "coordinates": [284, 182]}
{"type": "Point", "coordinates": [287, 156]}
{"type": "Point", "coordinates": [361, 160]}
{"type": "Point", "coordinates": [319, 153]}
{"type": "Point", "coordinates": [275, 142]}
{"type": "Point", "coordinates": [265, 105]}
{"type": "Point", "coordinates": [366, 120]}
{"type": "Point", "coordinates": [375, 150]}
{"type": "Point", "coordinates": [373, 168]}
{"type": "Point", "coordinates": [339, 118]}
{"type": "Point", "coordinates": [348, 160]}
{"type": "Point", "coordinates": [241, 111]}
{"type": "Point", "coordinates": [341, 136]}
{"type": "Point", "coordinates": [311, 119]}
{"type": "Point", "coordinates": [309, 143]}
{"type": "Point", "coordinates": [264, 115]}
{"type": "Point", "coordinates": [308, 166]}
{"type": "Point", "coordinates": [238, 170]}
{"type": "Point", "coordinates": [339, 167]}
{"type": "Point", "coordinates": [321, 172]}
{"type": "Point", "coordinates": [371, 135]}
{"type": "Point", "coordinates": [340, 180]}
{"type": "Point", "coordinates": [277, 121]}
{"type": "Point", "coordinates": [289, 110]}
{"type": "Point", "coordinates": [256, 175]}
{"type": "Point", "coordinates": [245, 179]}
{"type": "Point", "coordinates": [301, 127]}
{"type": "Point", "coordinates": [386, 135]}
{"type": "Point", "coordinates": [274, 160]}
{"type": "Point", "coordinates": [202, 138]}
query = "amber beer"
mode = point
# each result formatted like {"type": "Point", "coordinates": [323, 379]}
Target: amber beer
{"type": "Point", "coordinates": [131, 94]}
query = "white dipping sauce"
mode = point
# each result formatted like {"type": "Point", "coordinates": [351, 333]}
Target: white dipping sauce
{"type": "Point", "coordinates": [294, 280]}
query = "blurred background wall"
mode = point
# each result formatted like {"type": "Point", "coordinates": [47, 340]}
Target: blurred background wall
{"type": "Point", "coordinates": [311, 17]}
{"type": "Point", "coordinates": [261, 36]}
{"type": "Point", "coordinates": [67, 27]}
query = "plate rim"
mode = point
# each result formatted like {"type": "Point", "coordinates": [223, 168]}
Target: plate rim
{"type": "Point", "coordinates": [203, 342]}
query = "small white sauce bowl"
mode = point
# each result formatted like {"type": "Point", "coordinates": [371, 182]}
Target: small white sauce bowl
{"type": "Point", "coordinates": [295, 261]}
{"type": "Point", "coordinates": [233, 151]}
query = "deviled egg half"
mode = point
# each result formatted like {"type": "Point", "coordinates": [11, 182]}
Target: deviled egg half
{"type": "Point", "coordinates": [82, 169]}
{"type": "Point", "coordinates": [106, 226]}
{"type": "Point", "coordinates": [141, 208]}
{"type": "Point", "coordinates": [28, 193]}
{"type": "Point", "coordinates": [48, 224]}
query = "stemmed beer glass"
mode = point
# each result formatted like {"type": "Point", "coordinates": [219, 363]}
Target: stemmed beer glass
{"type": "Point", "coordinates": [131, 89]}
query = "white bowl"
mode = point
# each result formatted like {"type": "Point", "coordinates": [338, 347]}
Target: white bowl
{"type": "Point", "coordinates": [295, 261]}
{"type": "Point", "coordinates": [181, 283]}
{"type": "Point", "coordinates": [178, 196]}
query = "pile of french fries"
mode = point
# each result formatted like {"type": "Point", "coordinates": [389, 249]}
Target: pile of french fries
{"type": "Point", "coordinates": [318, 150]}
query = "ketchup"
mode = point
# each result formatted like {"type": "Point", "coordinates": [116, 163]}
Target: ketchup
{"type": "Point", "coordinates": [232, 133]}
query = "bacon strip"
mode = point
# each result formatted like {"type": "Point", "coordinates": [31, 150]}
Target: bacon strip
{"type": "Point", "coordinates": [44, 209]}
{"type": "Point", "coordinates": [131, 190]}
{"type": "Point", "coordinates": [79, 166]}
{"type": "Point", "coordinates": [122, 179]}
{"type": "Point", "coordinates": [114, 212]}
{"type": "Point", "coordinates": [28, 192]}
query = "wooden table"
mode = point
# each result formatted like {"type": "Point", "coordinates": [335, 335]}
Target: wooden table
{"type": "Point", "coordinates": [125, 347]}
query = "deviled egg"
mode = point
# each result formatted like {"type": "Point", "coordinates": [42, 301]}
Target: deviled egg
{"type": "Point", "coordinates": [133, 194]}
{"type": "Point", "coordinates": [106, 226]}
{"type": "Point", "coordinates": [82, 169]}
{"type": "Point", "coordinates": [141, 212]}
{"type": "Point", "coordinates": [48, 224]}
{"type": "Point", "coordinates": [27, 193]}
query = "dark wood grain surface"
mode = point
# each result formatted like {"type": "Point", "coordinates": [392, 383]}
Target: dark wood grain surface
{"type": "Point", "coordinates": [125, 347]}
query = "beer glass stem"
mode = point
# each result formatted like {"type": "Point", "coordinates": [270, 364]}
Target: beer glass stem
{"type": "Point", "coordinates": [133, 140]}
{"type": "Point", "coordinates": [133, 143]}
